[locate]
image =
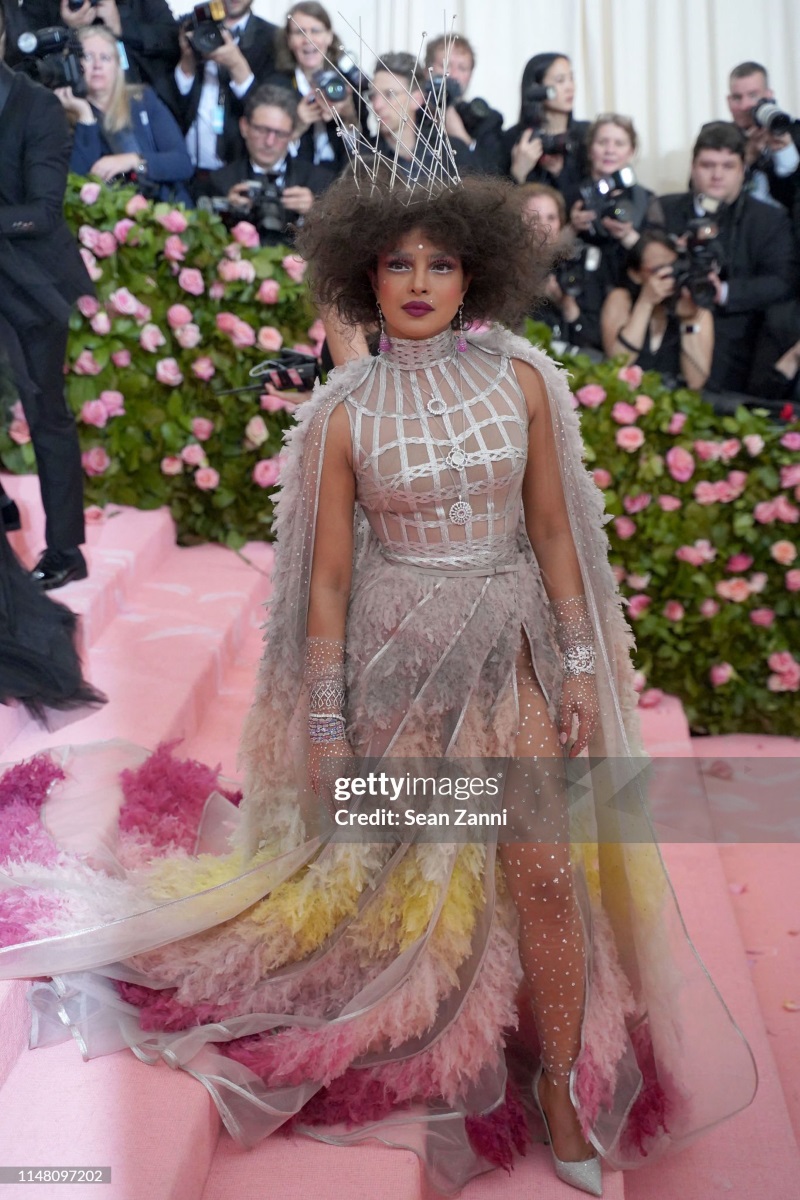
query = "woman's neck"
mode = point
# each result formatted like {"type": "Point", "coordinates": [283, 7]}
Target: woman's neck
{"type": "Point", "coordinates": [556, 122]}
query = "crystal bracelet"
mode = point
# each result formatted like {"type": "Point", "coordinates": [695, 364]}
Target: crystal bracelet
{"type": "Point", "coordinates": [579, 660]}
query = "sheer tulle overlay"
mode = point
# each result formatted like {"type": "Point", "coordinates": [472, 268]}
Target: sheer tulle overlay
{"type": "Point", "coordinates": [368, 989]}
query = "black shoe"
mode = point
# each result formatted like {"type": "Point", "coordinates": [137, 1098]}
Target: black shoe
{"type": "Point", "coordinates": [10, 514]}
{"type": "Point", "coordinates": [57, 567]}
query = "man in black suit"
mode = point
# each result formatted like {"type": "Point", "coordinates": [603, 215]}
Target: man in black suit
{"type": "Point", "coordinates": [41, 274]}
{"type": "Point", "coordinates": [772, 159]}
{"type": "Point", "coordinates": [269, 121]}
{"type": "Point", "coordinates": [210, 90]}
{"type": "Point", "coordinates": [757, 259]}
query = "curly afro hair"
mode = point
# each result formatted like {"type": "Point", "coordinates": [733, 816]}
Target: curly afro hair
{"type": "Point", "coordinates": [482, 221]}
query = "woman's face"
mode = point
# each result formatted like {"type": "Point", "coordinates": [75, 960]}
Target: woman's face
{"type": "Point", "coordinates": [544, 211]}
{"type": "Point", "coordinates": [309, 41]}
{"type": "Point", "coordinates": [611, 149]}
{"type": "Point", "coordinates": [100, 66]}
{"type": "Point", "coordinates": [559, 76]}
{"type": "Point", "coordinates": [419, 285]}
{"type": "Point", "coordinates": [654, 258]}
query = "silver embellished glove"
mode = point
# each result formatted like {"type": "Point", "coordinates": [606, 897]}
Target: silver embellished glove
{"type": "Point", "coordinates": [323, 677]}
{"type": "Point", "coordinates": [579, 693]}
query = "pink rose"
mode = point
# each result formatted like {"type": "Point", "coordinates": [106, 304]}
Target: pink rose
{"type": "Point", "coordinates": [624, 414]}
{"type": "Point", "coordinates": [269, 338]}
{"type": "Point", "coordinates": [635, 504]}
{"type": "Point", "coordinates": [87, 236]}
{"type": "Point", "coordinates": [757, 582]}
{"type": "Point", "coordinates": [295, 267]}
{"type": "Point", "coordinates": [93, 515]}
{"type": "Point", "coordinates": [783, 552]}
{"type": "Point", "coordinates": [317, 334]}
{"type": "Point", "coordinates": [643, 404]}
{"type": "Point", "coordinates": [135, 205]}
{"type": "Point", "coordinates": [701, 552]}
{"type": "Point", "coordinates": [762, 616]}
{"type": "Point", "coordinates": [194, 455]}
{"type": "Point", "coordinates": [619, 573]}
{"type": "Point", "coordinates": [737, 563]}
{"type": "Point", "coordinates": [601, 477]}
{"type": "Point", "coordinates": [202, 428]}
{"type": "Point", "coordinates": [151, 339]}
{"type": "Point", "coordinates": [246, 235]}
{"type": "Point", "coordinates": [781, 662]}
{"type": "Point", "coordinates": [676, 422]}
{"type": "Point", "coordinates": [786, 511]}
{"type": "Point", "coordinates": [256, 431]}
{"type": "Point", "coordinates": [630, 438]}
{"type": "Point", "coordinates": [709, 608]}
{"type": "Point", "coordinates": [243, 335]}
{"type": "Point", "coordinates": [191, 281]}
{"type": "Point", "coordinates": [86, 364]}
{"type": "Point", "coordinates": [789, 681]}
{"type": "Point", "coordinates": [233, 250]}
{"type": "Point", "coordinates": [753, 444]}
{"type": "Point", "coordinates": [105, 245]}
{"type": "Point", "coordinates": [631, 375]}
{"type": "Point", "coordinates": [95, 461]}
{"type": "Point", "coordinates": [171, 465]}
{"type": "Point", "coordinates": [228, 271]}
{"type": "Point", "coordinates": [122, 229]}
{"type": "Point", "coordinates": [93, 412]}
{"type": "Point", "coordinates": [90, 262]}
{"type": "Point", "coordinates": [188, 336]}
{"type": "Point", "coordinates": [173, 221]}
{"type": "Point", "coordinates": [206, 479]}
{"type": "Point", "coordinates": [673, 610]}
{"type": "Point", "coordinates": [669, 503]}
{"type": "Point", "coordinates": [269, 292]}
{"type": "Point", "coordinates": [113, 402]}
{"type": "Point", "coordinates": [123, 302]}
{"type": "Point", "coordinates": [101, 323]}
{"type": "Point", "coordinates": [793, 580]}
{"type": "Point", "coordinates": [142, 314]}
{"type": "Point", "coordinates": [707, 451]}
{"type": "Point", "coordinates": [706, 493]}
{"type": "Point", "coordinates": [89, 193]}
{"type": "Point", "coordinates": [651, 698]}
{"type": "Point", "coordinates": [226, 322]}
{"type": "Point", "coordinates": [790, 476]}
{"type": "Point", "coordinates": [217, 290]}
{"type": "Point", "coordinates": [720, 674]}
{"type": "Point", "coordinates": [266, 472]}
{"type": "Point", "coordinates": [736, 590]}
{"type": "Point", "coordinates": [19, 431]}
{"type": "Point", "coordinates": [121, 358]}
{"type": "Point", "coordinates": [791, 440]}
{"type": "Point", "coordinates": [729, 449]}
{"type": "Point", "coordinates": [175, 250]}
{"type": "Point", "coordinates": [168, 372]}
{"type": "Point", "coordinates": [87, 306]}
{"type": "Point", "coordinates": [177, 315]}
{"type": "Point", "coordinates": [591, 396]}
{"type": "Point", "coordinates": [625, 528]}
{"type": "Point", "coordinates": [639, 680]}
{"type": "Point", "coordinates": [638, 582]}
{"type": "Point", "coordinates": [203, 368]}
{"type": "Point", "coordinates": [765, 512]}
{"type": "Point", "coordinates": [637, 605]}
{"type": "Point", "coordinates": [680, 464]}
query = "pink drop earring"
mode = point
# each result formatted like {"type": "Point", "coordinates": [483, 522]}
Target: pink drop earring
{"type": "Point", "coordinates": [384, 341]}
{"type": "Point", "coordinates": [461, 344]}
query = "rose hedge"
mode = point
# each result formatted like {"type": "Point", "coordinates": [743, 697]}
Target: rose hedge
{"type": "Point", "coordinates": [703, 508]}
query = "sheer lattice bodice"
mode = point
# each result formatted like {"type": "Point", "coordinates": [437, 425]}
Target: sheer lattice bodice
{"type": "Point", "coordinates": [413, 464]}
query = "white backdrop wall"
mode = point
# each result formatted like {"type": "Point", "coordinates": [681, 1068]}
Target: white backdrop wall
{"type": "Point", "coordinates": [663, 62]}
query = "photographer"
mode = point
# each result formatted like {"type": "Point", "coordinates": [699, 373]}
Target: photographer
{"type": "Point", "coordinates": [221, 60]}
{"type": "Point", "coordinates": [122, 130]}
{"type": "Point", "coordinates": [772, 156]}
{"type": "Point", "coordinates": [572, 277]}
{"type": "Point", "coordinates": [656, 322]}
{"type": "Point", "coordinates": [41, 275]}
{"type": "Point", "coordinates": [470, 121]}
{"type": "Point", "coordinates": [268, 186]}
{"type": "Point", "coordinates": [547, 144]}
{"type": "Point", "coordinates": [145, 28]}
{"type": "Point", "coordinates": [754, 250]}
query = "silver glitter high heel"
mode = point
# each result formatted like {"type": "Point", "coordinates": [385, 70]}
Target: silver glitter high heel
{"type": "Point", "coordinates": [584, 1174]}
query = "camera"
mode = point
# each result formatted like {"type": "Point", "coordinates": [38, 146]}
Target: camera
{"type": "Point", "coordinates": [702, 255]}
{"type": "Point", "coordinates": [267, 211]}
{"type": "Point", "coordinates": [531, 110]}
{"type": "Point", "coordinates": [571, 272]}
{"type": "Point", "coordinates": [203, 27]}
{"type": "Point", "coordinates": [77, 5]}
{"type": "Point", "coordinates": [330, 84]}
{"type": "Point", "coordinates": [53, 58]}
{"type": "Point", "coordinates": [479, 117]}
{"type": "Point", "coordinates": [609, 196]}
{"type": "Point", "coordinates": [768, 115]}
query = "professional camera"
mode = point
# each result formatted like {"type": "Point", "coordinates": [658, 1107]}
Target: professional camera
{"type": "Point", "coordinates": [767, 115]}
{"type": "Point", "coordinates": [609, 196]}
{"type": "Point", "coordinates": [53, 58]}
{"type": "Point", "coordinates": [77, 5]}
{"type": "Point", "coordinates": [479, 117]}
{"type": "Point", "coordinates": [533, 98]}
{"type": "Point", "coordinates": [203, 27]}
{"type": "Point", "coordinates": [267, 210]}
{"type": "Point", "coordinates": [703, 254]}
{"type": "Point", "coordinates": [571, 272]}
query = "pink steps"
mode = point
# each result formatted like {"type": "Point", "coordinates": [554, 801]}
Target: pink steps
{"type": "Point", "coordinates": [158, 1128]}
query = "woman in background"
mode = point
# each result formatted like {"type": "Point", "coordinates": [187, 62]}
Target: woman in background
{"type": "Point", "coordinates": [525, 157]}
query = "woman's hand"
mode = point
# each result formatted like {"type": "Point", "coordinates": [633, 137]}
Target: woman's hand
{"type": "Point", "coordinates": [659, 286]}
{"type": "Point", "coordinates": [581, 218]}
{"type": "Point", "coordinates": [77, 20]}
{"type": "Point", "coordinates": [686, 308]}
{"type": "Point", "coordinates": [326, 763]}
{"type": "Point", "coordinates": [621, 231]}
{"type": "Point", "coordinates": [525, 155]}
{"type": "Point", "coordinates": [308, 111]}
{"type": "Point", "coordinates": [114, 164]}
{"type": "Point", "coordinates": [326, 110]}
{"type": "Point", "coordinates": [109, 14]}
{"type": "Point", "coordinates": [79, 107]}
{"type": "Point", "coordinates": [578, 698]}
{"type": "Point", "coordinates": [554, 163]}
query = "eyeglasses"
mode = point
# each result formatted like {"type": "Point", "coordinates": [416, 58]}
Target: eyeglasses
{"type": "Point", "coordinates": [280, 135]}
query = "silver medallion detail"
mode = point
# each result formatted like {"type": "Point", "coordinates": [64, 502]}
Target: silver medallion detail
{"type": "Point", "coordinates": [461, 512]}
{"type": "Point", "coordinates": [456, 459]}
{"type": "Point", "coordinates": [436, 406]}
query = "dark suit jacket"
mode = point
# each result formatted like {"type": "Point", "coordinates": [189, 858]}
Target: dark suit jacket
{"type": "Point", "coordinates": [37, 251]}
{"type": "Point", "coordinates": [299, 173]}
{"type": "Point", "coordinates": [257, 44]}
{"type": "Point", "coordinates": [760, 270]}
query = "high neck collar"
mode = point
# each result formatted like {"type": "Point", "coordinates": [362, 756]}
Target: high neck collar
{"type": "Point", "coordinates": [414, 354]}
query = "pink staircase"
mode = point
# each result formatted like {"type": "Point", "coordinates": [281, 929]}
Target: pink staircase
{"type": "Point", "coordinates": [173, 637]}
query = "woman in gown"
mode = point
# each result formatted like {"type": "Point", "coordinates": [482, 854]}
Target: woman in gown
{"type": "Point", "coordinates": [441, 592]}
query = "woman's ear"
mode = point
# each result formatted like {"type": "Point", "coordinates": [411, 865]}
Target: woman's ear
{"type": "Point", "coordinates": [467, 282]}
